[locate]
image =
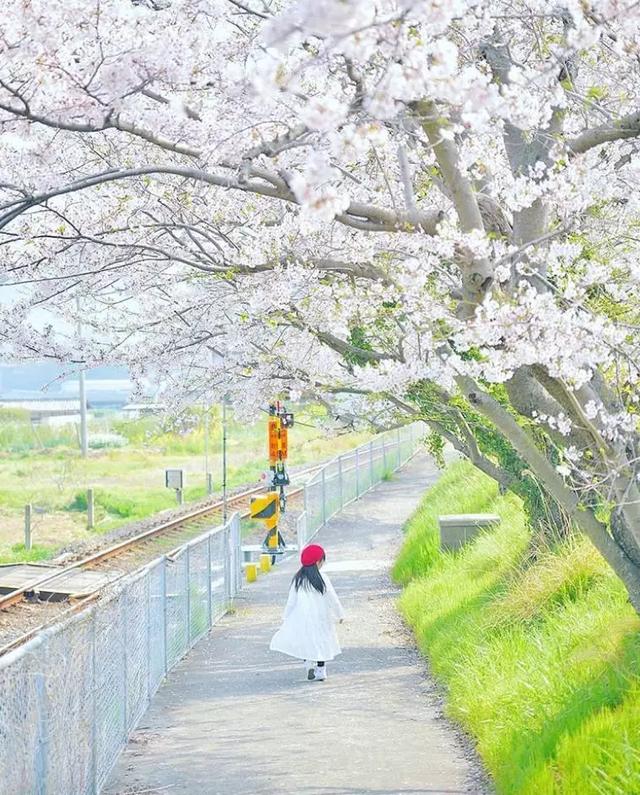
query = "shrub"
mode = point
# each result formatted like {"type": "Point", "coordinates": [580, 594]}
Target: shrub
{"type": "Point", "coordinates": [98, 441]}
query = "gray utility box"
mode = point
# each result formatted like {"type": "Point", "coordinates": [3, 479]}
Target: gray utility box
{"type": "Point", "coordinates": [457, 529]}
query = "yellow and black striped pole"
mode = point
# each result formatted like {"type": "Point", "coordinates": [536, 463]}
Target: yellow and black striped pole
{"type": "Point", "coordinates": [266, 507]}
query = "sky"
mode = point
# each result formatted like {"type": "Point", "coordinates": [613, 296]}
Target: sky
{"type": "Point", "coordinates": [43, 379]}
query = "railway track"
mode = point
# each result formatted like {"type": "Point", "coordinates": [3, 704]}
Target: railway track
{"type": "Point", "coordinates": [21, 616]}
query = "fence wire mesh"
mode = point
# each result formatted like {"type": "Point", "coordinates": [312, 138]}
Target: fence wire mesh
{"type": "Point", "coordinates": [70, 697]}
{"type": "Point", "coordinates": [349, 476]}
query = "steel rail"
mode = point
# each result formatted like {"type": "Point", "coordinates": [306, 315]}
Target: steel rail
{"type": "Point", "coordinates": [82, 602]}
{"type": "Point", "coordinates": [17, 595]}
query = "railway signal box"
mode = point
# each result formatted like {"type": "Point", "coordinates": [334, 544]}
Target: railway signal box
{"type": "Point", "coordinates": [174, 478]}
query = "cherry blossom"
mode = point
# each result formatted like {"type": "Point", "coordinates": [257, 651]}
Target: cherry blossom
{"type": "Point", "coordinates": [399, 208]}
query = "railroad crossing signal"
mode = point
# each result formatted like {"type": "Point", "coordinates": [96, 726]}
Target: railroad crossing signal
{"type": "Point", "coordinates": [280, 420]}
{"type": "Point", "coordinates": [269, 506]}
{"type": "Point", "coordinates": [278, 425]}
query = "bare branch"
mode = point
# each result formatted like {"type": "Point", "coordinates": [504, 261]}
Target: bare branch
{"type": "Point", "coordinates": [111, 122]}
{"type": "Point", "coordinates": [357, 214]}
{"type": "Point", "coordinates": [248, 10]}
{"type": "Point", "coordinates": [190, 112]}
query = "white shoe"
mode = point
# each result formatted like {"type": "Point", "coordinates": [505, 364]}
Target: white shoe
{"type": "Point", "coordinates": [321, 673]}
{"type": "Point", "coordinates": [310, 668]}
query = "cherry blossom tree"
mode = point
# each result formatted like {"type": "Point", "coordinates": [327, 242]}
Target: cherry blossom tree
{"type": "Point", "coordinates": [425, 207]}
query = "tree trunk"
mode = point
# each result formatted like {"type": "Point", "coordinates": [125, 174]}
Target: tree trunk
{"type": "Point", "coordinates": [613, 553]}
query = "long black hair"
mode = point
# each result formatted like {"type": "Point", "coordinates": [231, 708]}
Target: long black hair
{"type": "Point", "coordinates": [309, 577]}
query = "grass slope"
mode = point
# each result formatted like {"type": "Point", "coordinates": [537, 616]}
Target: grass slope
{"type": "Point", "coordinates": [541, 659]}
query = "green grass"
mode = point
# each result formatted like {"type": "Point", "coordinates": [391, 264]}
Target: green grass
{"type": "Point", "coordinates": [18, 554]}
{"type": "Point", "coordinates": [128, 482]}
{"type": "Point", "coordinates": [461, 489]}
{"type": "Point", "coordinates": [541, 659]}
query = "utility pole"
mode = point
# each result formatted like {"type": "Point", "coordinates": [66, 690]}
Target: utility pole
{"type": "Point", "coordinates": [84, 437]}
{"type": "Point", "coordinates": [207, 474]}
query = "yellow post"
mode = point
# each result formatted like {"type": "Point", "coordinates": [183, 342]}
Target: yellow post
{"type": "Point", "coordinates": [265, 563]}
{"type": "Point", "coordinates": [252, 572]}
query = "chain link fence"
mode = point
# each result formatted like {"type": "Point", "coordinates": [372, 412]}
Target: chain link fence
{"type": "Point", "coordinates": [71, 696]}
{"type": "Point", "coordinates": [350, 475]}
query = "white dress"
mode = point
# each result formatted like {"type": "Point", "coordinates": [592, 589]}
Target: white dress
{"type": "Point", "coordinates": [308, 630]}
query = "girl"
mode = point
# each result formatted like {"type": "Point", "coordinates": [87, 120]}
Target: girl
{"type": "Point", "coordinates": [308, 630]}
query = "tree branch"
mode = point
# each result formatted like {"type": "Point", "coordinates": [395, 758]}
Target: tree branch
{"type": "Point", "coordinates": [584, 517]}
{"type": "Point", "coordinates": [625, 127]}
{"type": "Point", "coordinates": [477, 273]}
{"type": "Point", "coordinates": [405, 175]}
{"type": "Point", "coordinates": [359, 215]}
{"type": "Point", "coordinates": [111, 122]}
{"type": "Point", "coordinates": [347, 349]}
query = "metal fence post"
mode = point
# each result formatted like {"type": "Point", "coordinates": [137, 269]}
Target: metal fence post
{"type": "Point", "coordinates": [228, 565]}
{"type": "Point", "coordinates": [340, 488]}
{"type": "Point", "coordinates": [324, 496]}
{"type": "Point", "coordinates": [301, 531]}
{"type": "Point", "coordinates": [398, 442]}
{"type": "Point", "coordinates": [357, 465]}
{"type": "Point", "coordinates": [149, 645]}
{"type": "Point", "coordinates": [371, 462]}
{"type": "Point", "coordinates": [28, 511]}
{"type": "Point", "coordinates": [238, 553]}
{"type": "Point", "coordinates": [209, 583]}
{"type": "Point", "coordinates": [42, 750]}
{"type": "Point", "coordinates": [384, 457]}
{"type": "Point", "coordinates": [187, 586]}
{"type": "Point", "coordinates": [125, 667]}
{"type": "Point", "coordinates": [233, 566]}
{"type": "Point", "coordinates": [94, 712]}
{"type": "Point", "coordinates": [165, 628]}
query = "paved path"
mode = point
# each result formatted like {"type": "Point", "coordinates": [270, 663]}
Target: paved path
{"type": "Point", "coordinates": [236, 719]}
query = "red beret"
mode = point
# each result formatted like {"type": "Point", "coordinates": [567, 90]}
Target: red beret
{"type": "Point", "coordinates": [311, 554]}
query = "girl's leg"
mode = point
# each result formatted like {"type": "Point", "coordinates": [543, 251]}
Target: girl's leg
{"type": "Point", "coordinates": [310, 668]}
{"type": "Point", "coordinates": [321, 671]}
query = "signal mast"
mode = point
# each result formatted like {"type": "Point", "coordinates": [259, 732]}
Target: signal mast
{"type": "Point", "coordinates": [268, 507]}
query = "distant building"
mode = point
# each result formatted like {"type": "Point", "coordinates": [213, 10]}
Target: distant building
{"type": "Point", "coordinates": [106, 387]}
{"type": "Point", "coordinates": [47, 411]}
{"type": "Point", "coordinates": [133, 411]}
{"type": "Point", "coordinates": [102, 393]}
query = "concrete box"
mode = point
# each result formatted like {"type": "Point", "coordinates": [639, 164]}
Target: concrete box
{"type": "Point", "coordinates": [457, 529]}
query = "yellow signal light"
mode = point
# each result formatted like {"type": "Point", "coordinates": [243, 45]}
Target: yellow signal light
{"type": "Point", "coordinates": [278, 441]}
